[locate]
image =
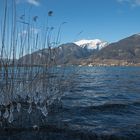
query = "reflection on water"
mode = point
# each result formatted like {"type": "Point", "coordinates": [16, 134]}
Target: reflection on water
{"type": "Point", "coordinates": [103, 103]}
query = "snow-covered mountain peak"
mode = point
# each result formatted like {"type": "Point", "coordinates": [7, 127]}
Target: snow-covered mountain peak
{"type": "Point", "coordinates": [92, 44]}
{"type": "Point", "coordinates": [138, 34]}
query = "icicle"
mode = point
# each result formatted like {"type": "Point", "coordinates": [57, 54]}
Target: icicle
{"type": "Point", "coordinates": [35, 127]}
{"type": "Point", "coordinates": [2, 100]}
{"type": "Point", "coordinates": [41, 99]}
{"type": "Point", "coordinates": [30, 108]}
{"type": "Point", "coordinates": [36, 99]}
{"type": "Point", "coordinates": [59, 99]}
{"type": "Point", "coordinates": [38, 107]}
{"type": "Point", "coordinates": [6, 114]}
{"type": "Point", "coordinates": [30, 100]}
{"type": "Point", "coordinates": [11, 108]}
{"type": "Point", "coordinates": [11, 118]}
{"type": "Point", "coordinates": [18, 107]}
{"type": "Point", "coordinates": [44, 111]}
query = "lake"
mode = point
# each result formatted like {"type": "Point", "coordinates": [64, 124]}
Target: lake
{"type": "Point", "coordinates": [103, 103]}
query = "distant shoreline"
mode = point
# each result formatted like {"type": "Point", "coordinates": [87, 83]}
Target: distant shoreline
{"type": "Point", "coordinates": [90, 64]}
{"type": "Point", "coordinates": [109, 62]}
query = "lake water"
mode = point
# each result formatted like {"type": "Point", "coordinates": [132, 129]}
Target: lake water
{"type": "Point", "coordinates": [103, 103]}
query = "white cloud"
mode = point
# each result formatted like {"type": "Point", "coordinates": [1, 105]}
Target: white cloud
{"type": "Point", "coordinates": [133, 3]}
{"type": "Point", "coordinates": [137, 2]}
{"type": "Point", "coordinates": [34, 2]}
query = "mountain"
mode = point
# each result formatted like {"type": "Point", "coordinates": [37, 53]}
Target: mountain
{"type": "Point", "coordinates": [71, 53]}
{"type": "Point", "coordinates": [125, 49]}
{"type": "Point", "coordinates": [96, 44]}
{"type": "Point", "coordinates": [68, 53]}
{"type": "Point", "coordinates": [90, 52]}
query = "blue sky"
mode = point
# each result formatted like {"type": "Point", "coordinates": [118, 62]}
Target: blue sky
{"type": "Point", "coordinates": [109, 20]}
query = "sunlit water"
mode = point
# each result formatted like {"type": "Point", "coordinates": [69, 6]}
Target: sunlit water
{"type": "Point", "coordinates": [103, 103]}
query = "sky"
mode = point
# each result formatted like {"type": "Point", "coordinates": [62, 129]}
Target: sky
{"type": "Point", "coordinates": [108, 20]}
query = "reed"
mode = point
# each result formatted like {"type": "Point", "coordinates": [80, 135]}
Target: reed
{"type": "Point", "coordinates": [25, 82]}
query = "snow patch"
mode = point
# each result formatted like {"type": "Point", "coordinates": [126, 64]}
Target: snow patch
{"type": "Point", "coordinates": [92, 44]}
